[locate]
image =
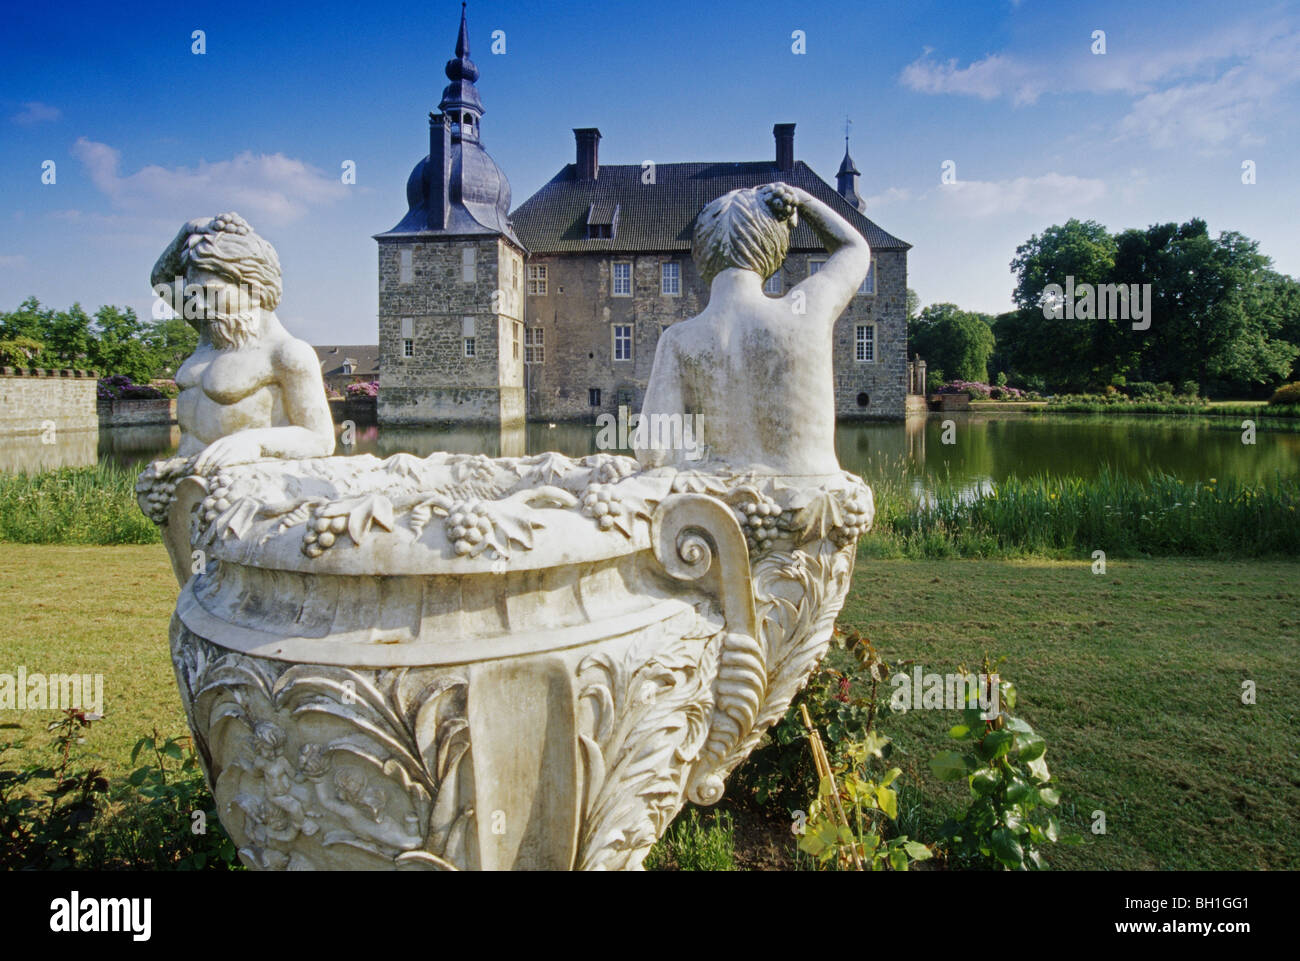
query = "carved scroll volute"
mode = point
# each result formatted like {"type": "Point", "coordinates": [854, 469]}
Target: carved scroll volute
{"type": "Point", "coordinates": [176, 534]}
{"type": "Point", "coordinates": [688, 532]}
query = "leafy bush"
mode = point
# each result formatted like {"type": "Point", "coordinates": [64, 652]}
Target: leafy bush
{"type": "Point", "coordinates": [168, 819]}
{"type": "Point", "coordinates": [1286, 394]}
{"type": "Point", "coordinates": [1008, 821]}
{"type": "Point", "coordinates": [46, 812]}
{"type": "Point", "coordinates": [1189, 388]}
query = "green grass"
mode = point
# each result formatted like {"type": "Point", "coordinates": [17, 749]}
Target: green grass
{"type": "Point", "coordinates": [1073, 404]}
{"type": "Point", "coordinates": [74, 505]}
{"type": "Point", "coordinates": [696, 842]}
{"type": "Point", "coordinates": [1133, 678]}
{"type": "Point", "coordinates": [1072, 517]}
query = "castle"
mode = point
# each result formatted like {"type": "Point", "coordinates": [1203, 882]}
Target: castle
{"type": "Point", "coordinates": [553, 312]}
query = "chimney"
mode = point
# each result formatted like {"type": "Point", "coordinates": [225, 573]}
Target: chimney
{"type": "Point", "coordinates": [784, 134]}
{"type": "Point", "coordinates": [437, 172]}
{"type": "Point", "coordinates": [588, 140]}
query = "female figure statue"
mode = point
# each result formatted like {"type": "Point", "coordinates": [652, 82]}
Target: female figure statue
{"type": "Point", "coordinates": [757, 370]}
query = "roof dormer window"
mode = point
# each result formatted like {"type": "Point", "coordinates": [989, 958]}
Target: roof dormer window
{"type": "Point", "coordinates": [602, 221]}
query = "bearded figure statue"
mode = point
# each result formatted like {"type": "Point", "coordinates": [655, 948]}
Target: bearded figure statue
{"type": "Point", "coordinates": [250, 390]}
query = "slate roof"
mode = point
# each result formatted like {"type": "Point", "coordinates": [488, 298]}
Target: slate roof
{"type": "Point", "coordinates": [661, 216]}
{"type": "Point", "coordinates": [332, 357]}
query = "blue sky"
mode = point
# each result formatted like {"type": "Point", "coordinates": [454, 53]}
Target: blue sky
{"type": "Point", "coordinates": [145, 134]}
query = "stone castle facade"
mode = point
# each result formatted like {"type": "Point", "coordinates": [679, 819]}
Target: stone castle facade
{"type": "Point", "coordinates": [554, 312]}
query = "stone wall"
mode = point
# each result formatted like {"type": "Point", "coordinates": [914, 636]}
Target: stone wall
{"type": "Point", "coordinates": [440, 382]}
{"type": "Point", "coordinates": [31, 400]}
{"type": "Point", "coordinates": [135, 413]}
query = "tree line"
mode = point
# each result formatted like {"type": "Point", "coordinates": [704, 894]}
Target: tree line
{"type": "Point", "coordinates": [1218, 315]}
{"type": "Point", "coordinates": [112, 341]}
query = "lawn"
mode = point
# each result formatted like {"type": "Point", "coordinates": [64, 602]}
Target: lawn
{"type": "Point", "coordinates": [1133, 677]}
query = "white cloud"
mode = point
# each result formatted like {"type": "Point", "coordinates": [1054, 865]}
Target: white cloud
{"type": "Point", "coordinates": [35, 112]}
{"type": "Point", "coordinates": [994, 76]}
{"type": "Point", "coordinates": [1213, 90]}
{"type": "Point", "coordinates": [269, 188]}
{"type": "Point", "coordinates": [1042, 196]}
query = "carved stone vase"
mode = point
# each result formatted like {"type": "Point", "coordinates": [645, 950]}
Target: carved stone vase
{"type": "Point", "coordinates": [458, 662]}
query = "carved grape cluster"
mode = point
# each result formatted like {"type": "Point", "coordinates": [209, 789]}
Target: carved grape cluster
{"type": "Point", "coordinates": [230, 223]}
{"type": "Point", "coordinates": [780, 199]}
{"type": "Point", "coordinates": [322, 534]}
{"type": "Point", "coordinates": [614, 469]}
{"type": "Point", "coordinates": [218, 499]}
{"type": "Point", "coordinates": [468, 524]}
{"type": "Point", "coordinates": [158, 493]}
{"type": "Point", "coordinates": [156, 486]}
{"type": "Point", "coordinates": [758, 518]}
{"type": "Point", "coordinates": [857, 518]}
{"type": "Point", "coordinates": [602, 502]}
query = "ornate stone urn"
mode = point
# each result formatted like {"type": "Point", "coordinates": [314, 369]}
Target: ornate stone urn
{"type": "Point", "coordinates": [459, 662]}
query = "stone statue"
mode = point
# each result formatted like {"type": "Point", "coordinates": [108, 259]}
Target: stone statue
{"type": "Point", "coordinates": [463, 662]}
{"type": "Point", "coordinates": [756, 370]}
{"type": "Point", "coordinates": [250, 390]}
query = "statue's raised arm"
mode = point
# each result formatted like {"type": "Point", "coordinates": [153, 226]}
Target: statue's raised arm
{"type": "Point", "coordinates": [250, 389]}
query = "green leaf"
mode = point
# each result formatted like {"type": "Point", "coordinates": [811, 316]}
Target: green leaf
{"type": "Point", "coordinates": [1018, 790]}
{"type": "Point", "coordinates": [874, 744]}
{"type": "Point", "coordinates": [1006, 848]}
{"type": "Point", "coordinates": [1007, 690]}
{"type": "Point", "coordinates": [173, 750]}
{"type": "Point", "coordinates": [1019, 726]}
{"type": "Point", "coordinates": [140, 745]}
{"type": "Point", "coordinates": [1031, 746]}
{"type": "Point", "coordinates": [888, 802]}
{"type": "Point", "coordinates": [984, 782]}
{"type": "Point", "coordinates": [898, 859]}
{"type": "Point", "coordinates": [948, 766]}
{"type": "Point", "coordinates": [959, 731]}
{"type": "Point", "coordinates": [917, 851]}
{"type": "Point", "coordinates": [1049, 796]}
{"type": "Point", "coordinates": [1038, 769]}
{"type": "Point", "coordinates": [995, 745]}
{"type": "Point", "coordinates": [890, 776]}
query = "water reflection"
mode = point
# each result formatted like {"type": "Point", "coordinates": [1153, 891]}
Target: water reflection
{"type": "Point", "coordinates": [984, 448]}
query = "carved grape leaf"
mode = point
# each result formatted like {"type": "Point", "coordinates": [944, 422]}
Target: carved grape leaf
{"type": "Point", "coordinates": [550, 467]}
{"type": "Point", "coordinates": [819, 517]}
{"type": "Point", "coordinates": [362, 512]}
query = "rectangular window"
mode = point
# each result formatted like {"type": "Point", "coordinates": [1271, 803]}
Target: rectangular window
{"type": "Point", "coordinates": [408, 348]}
{"type": "Point", "coordinates": [516, 329]}
{"type": "Point", "coordinates": [814, 266]}
{"type": "Point", "coordinates": [405, 272]}
{"type": "Point", "coordinates": [773, 284]}
{"type": "Point", "coordinates": [622, 341]}
{"type": "Point", "coordinates": [471, 349]}
{"type": "Point", "coordinates": [670, 280]}
{"type": "Point", "coordinates": [408, 337]}
{"type": "Point", "coordinates": [868, 285]}
{"type": "Point", "coordinates": [537, 279]}
{"type": "Point", "coordinates": [534, 346]}
{"type": "Point", "coordinates": [515, 272]}
{"type": "Point", "coordinates": [593, 396]}
{"type": "Point", "coordinates": [622, 276]}
{"type": "Point", "coordinates": [865, 343]}
{"type": "Point", "coordinates": [468, 265]}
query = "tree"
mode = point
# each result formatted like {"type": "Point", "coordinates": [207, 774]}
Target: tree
{"type": "Point", "coordinates": [1071, 352]}
{"type": "Point", "coordinates": [913, 304]}
{"type": "Point", "coordinates": [953, 340]}
{"type": "Point", "coordinates": [118, 347]}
